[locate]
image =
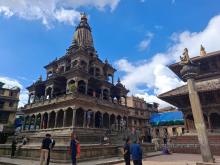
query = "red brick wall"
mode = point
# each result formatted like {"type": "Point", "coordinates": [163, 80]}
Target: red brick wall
{"type": "Point", "coordinates": [189, 144]}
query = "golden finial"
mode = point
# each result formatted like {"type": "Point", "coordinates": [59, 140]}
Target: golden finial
{"type": "Point", "coordinates": [83, 15]}
{"type": "Point", "coordinates": [202, 51]}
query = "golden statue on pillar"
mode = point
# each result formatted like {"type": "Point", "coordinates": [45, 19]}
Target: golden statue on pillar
{"type": "Point", "coordinates": [202, 51]}
{"type": "Point", "coordinates": [185, 59]}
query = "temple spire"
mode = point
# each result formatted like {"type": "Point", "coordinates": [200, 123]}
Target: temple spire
{"type": "Point", "coordinates": [83, 36]}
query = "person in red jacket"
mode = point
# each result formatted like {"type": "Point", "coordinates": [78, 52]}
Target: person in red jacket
{"type": "Point", "coordinates": [74, 150]}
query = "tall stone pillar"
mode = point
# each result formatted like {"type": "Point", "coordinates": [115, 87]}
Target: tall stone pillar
{"type": "Point", "coordinates": [93, 119]}
{"type": "Point", "coordinates": [189, 72]}
{"type": "Point", "coordinates": [55, 125]}
{"type": "Point", "coordinates": [41, 121]}
{"type": "Point", "coordinates": [48, 120]}
{"type": "Point", "coordinates": [35, 122]}
{"type": "Point", "coordinates": [64, 118]}
{"type": "Point", "coordinates": [74, 117]}
{"type": "Point", "coordinates": [84, 119]}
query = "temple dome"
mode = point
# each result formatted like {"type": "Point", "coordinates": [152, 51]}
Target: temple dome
{"type": "Point", "coordinates": [83, 35]}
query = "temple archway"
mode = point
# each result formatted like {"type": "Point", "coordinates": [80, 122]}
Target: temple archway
{"type": "Point", "coordinates": [82, 87]}
{"type": "Point", "coordinates": [31, 126]}
{"type": "Point", "coordinates": [125, 121]}
{"type": "Point", "coordinates": [49, 93]}
{"type": "Point", "coordinates": [105, 120]}
{"type": "Point", "coordinates": [45, 120]}
{"type": "Point", "coordinates": [79, 117]}
{"type": "Point", "coordinates": [38, 121]}
{"type": "Point", "coordinates": [52, 119]}
{"type": "Point", "coordinates": [119, 122]}
{"type": "Point", "coordinates": [69, 117]}
{"type": "Point", "coordinates": [89, 118]}
{"type": "Point", "coordinates": [105, 94]}
{"type": "Point", "coordinates": [60, 115]}
{"type": "Point", "coordinates": [215, 120]}
{"type": "Point", "coordinates": [112, 121]}
{"type": "Point", "coordinates": [98, 120]}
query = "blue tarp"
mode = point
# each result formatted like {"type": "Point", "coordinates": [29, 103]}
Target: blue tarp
{"type": "Point", "coordinates": [167, 118]}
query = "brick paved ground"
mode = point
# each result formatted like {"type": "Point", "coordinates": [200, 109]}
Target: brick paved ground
{"type": "Point", "coordinates": [175, 159]}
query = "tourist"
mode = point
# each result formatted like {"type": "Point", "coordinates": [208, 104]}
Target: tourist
{"type": "Point", "coordinates": [13, 147]}
{"type": "Point", "coordinates": [52, 146]}
{"type": "Point", "coordinates": [136, 153]}
{"type": "Point", "coordinates": [45, 148]}
{"type": "Point", "coordinates": [74, 148]}
{"type": "Point", "coordinates": [126, 151]}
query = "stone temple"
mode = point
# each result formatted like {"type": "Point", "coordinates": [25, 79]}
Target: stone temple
{"type": "Point", "coordinates": [78, 95]}
{"type": "Point", "coordinates": [208, 87]}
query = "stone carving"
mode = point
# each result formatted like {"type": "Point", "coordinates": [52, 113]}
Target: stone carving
{"type": "Point", "coordinates": [202, 51]}
{"type": "Point", "coordinates": [185, 58]}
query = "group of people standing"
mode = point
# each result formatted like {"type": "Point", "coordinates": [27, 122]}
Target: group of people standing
{"type": "Point", "coordinates": [133, 150]}
{"type": "Point", "coordinates": [48, 144]}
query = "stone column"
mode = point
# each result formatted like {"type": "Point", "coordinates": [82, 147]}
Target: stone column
{"type": "Point", "coordinates": [41, 121]}
{"type": "Point", "coordinates": [55, 125]}
{"type": "Point", "coordinates": [93, 119]}
{"type": "Point", "coordinates": [74, 116]}
{"type": "Point", "coordinates": [189, 72]}
{"type": "Point", "coordinates": [84, 119]}
{"type": "Point", "coordinates": [48, 120]}
{"type": "Point", "coordinates": [35, 122]}
{"type": "Point", "coordinates": [64, 118]}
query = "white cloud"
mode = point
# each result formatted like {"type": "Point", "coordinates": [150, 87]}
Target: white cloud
{"type": "Point", "coordinates": [153, 73]}
{"type": "Point", "coordinates": [49, 11]}
{"type": "Point", "coordinates": [10, 83]}
{"type": "Point", "coordinates": [144, 44]}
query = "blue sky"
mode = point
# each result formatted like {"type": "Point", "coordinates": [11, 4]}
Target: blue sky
{"type": "Point", "coordinates": [138, 37]}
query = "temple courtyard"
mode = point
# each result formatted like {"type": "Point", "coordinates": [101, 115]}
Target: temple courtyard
{"type": "Point", "coordinates": [173, 159]}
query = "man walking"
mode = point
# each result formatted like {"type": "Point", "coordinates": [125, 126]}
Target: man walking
{"type": "Point", "coordinates": [45, 148]}
{"type": "Point", "coordinates": [127, 152]}
{"type": "Point", "coordinates": [136, 153]}
{"type": "Point", "coordinates": [52, 146]}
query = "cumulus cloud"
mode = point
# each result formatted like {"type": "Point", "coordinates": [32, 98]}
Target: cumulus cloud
{"type": "Point", "coordinates": [153, 73]}
{"type": "Point", "coordinates": [10, 83]}
{"type": "Point", "coordinates": [49, 11]}
{"type": "Point", "coordinates": [144, 44]}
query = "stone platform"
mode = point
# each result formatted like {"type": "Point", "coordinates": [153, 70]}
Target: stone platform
{"type": "Point", "coordinates": [92, 146]}
{"type": "Point", "coordinates": [190, 144]}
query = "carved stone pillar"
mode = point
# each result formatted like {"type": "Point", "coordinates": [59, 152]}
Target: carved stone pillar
{"type": "Point", "coordinates": [189, 72]}
{"type": "Point", "coordinates": [74, 116]}
{"type": "Point", "coordinates": [55, 125]}
{"type": "Point", "coordinates": [94, 120]}
{"type": "Point", "coordinates": [48, 120]}
{"type": "Point", "coordinates": [64, 118]}
{"type": "Point", "coordinates": [41, 121]}
{"type": "Point", "coordinates": [84, 119]}
{"type": "Point", "coordinates": [35, 122]}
